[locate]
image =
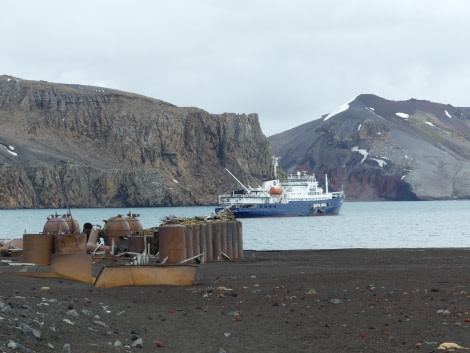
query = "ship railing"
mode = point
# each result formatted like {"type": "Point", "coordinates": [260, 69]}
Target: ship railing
{"type": "Point", "coordinates": [336, 194]}
{"type": "Point", "coordinates": [302, 178]}
{"type": "Point", "coordinates": [257, 194]}
{"type": "Point", "coordinates": [232, 199]}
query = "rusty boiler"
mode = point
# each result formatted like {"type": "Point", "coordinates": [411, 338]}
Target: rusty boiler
{"type": "Point", "coordinates": [74, 225]}
{"type": "Point", "coordinates": [135, 224]}
{"type": "Point", "coordinates": [138, 241]}
{"type": "Point", "coordinates": [56, 225]}
{"type": "Point", "coordinates": [116, 229]}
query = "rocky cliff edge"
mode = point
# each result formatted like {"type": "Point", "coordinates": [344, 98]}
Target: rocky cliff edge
{"type": "Point", "coordinates": [85, 146]}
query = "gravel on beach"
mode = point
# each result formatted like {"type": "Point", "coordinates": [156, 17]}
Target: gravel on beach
{"type": "Point", "coordinates": [358, 300]}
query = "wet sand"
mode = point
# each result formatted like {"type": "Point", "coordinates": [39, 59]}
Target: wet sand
{"type": "Point", "coordinates": [388, 300]}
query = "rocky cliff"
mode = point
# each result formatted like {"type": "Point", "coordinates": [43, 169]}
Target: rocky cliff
{"type": "Point", "coordinates": [96, 147]}
{"type": "Point", "coordinates": [379, 149]}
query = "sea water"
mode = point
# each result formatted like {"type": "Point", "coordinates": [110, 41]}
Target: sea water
{"type": "Point", "coordinates": [421, 224]}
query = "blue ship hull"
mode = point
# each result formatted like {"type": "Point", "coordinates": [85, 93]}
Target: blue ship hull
{"type": "Point", "coordinates": [291, 209]}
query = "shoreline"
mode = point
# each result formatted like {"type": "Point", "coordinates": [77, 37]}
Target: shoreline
{"type": "Point", "coordinates": [330, 300]}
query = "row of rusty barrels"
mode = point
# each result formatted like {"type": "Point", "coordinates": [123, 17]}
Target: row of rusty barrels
{"type": "Point", "coordinates": [38, 248]}
{"type": "Point", "coordinates": [216, 240]}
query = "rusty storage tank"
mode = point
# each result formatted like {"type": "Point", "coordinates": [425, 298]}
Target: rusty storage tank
{"type": "Point", "coordinates": [216, 240]}
{"type": "Point", "coordinates": [209, 245]}
{"type": "Point", "coordinates": [139, 243]}
{"type": "Point", "coordinates": [203, 240]}
{"type": "Point", "coordinates": [223, 237]}
{"type": "Point", "coordinates": [74, 225]}
{"type": "Point", "coordinates": [229, 239]}
{"type": "Point", "coordinates": [240, 239]}
{"type": "Point", "coordinates": [172, 243]}
{"type": "Point", "coordinates": [234, 240]}
{"type": "Point", "coordinates": [135, 224]}
{"type": "Point", "coordinates": [56, 225]}
{"type": "Point", "coordinates": [189, 241]}
{"type": "Point", "coordinates": [196, 240]}
{"type": "Point", "coordinates": [37, 248]}
{"type": "Point", "coordinates": [116, 228]}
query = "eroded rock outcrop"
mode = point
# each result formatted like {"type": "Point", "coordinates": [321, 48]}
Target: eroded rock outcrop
{"type": "Point", "coordinates": [97, 147]}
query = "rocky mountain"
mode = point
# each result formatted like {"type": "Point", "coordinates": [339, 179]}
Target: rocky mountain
{"type": "Point", "coordinates": [377, 149]}
{"type": "Point", "coordinates": [90, 146]}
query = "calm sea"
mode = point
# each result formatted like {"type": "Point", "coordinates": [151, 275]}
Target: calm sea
{"type": "Point", "coordinates": [360, 225]}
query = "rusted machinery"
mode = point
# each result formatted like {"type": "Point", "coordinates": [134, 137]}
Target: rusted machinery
{"type": "Point", "coordinates": [212, 240]}
{"type": "Point", "coordinates": [180, 241]}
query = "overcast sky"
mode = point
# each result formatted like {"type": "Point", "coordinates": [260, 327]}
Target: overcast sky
{"type": "Point", "coordinates": [289, 61]}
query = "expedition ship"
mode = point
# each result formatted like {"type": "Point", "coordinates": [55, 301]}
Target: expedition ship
{"type": "Point", "coordinates": [300, 195]}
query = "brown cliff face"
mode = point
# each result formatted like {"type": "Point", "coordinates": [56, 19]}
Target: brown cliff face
{"type": "Point", "coordinates": [97, 147]}
{"type": "Point", "coordinates": [385, 150]}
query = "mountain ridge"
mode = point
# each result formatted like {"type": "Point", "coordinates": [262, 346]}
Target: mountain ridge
{"type": "Point", "coordinates": [88, 146]}
{"type": "Point", "coordinates": [379, 149]}
{"type": "Point", "coordinates": [97, 147]}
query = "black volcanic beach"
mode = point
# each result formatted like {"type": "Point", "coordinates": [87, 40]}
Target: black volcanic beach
{"type": "Point", "coordinates": [388, 300]}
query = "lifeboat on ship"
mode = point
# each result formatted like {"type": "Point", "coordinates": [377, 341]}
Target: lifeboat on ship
{"type": "Point", "coordinates": [275, 191]}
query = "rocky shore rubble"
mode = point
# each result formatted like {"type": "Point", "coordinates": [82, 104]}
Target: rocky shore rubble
{"type": "Point", "coordinates": [36, 322]}
{"type": "Point", "coordinates": [326, 301]}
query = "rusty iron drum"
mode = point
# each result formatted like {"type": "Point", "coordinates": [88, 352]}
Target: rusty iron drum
{"type": "Point", "coordinates": [135, 225]}
{"type": "Point", "coordinates": [74, 225]}
{"type": "Point", "coordinates": [56, 225]}
{"type": "Point", "coordinates": [115, 229]}
{"type": "Point", "coordinates": [172, 243]}
{"type": "Point", "coordinates": [37, 248]}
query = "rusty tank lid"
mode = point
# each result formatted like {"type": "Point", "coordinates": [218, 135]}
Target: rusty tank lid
{"type": "Point", "coordinates": [135, 224]}
{"type": "Point", "coordinates": [56, 225]}
{"type": "Point", "coordinates": [116, 227]}
{"type": "Point", "coordinates": [74, 225]}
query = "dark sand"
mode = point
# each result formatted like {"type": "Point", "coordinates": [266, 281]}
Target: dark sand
{"type": "Point", "coordinates": [277, 301]}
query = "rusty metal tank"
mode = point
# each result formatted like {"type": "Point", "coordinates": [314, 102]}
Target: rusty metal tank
{"type": "Point", "coordinates": [172, 243]}
{"type": "Point", "coordinates": [240, 239]}
{"type": "Point", "coordinates": [139, 243]}
{"type": "Point", "coordinates": [216, 240]}
{"type": "Point", "coordinates": [37, 248]}
{"type": "Point", "coordinates": [135, 225]}
{"type": "Point", "coordinates": [116, 228]}
{"type": "Point", "coordinates": [74, 225]}
{"type": "Point", "coordinates": [209, 245]}
{"type": "Point", "coordinates": [56, 225]}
